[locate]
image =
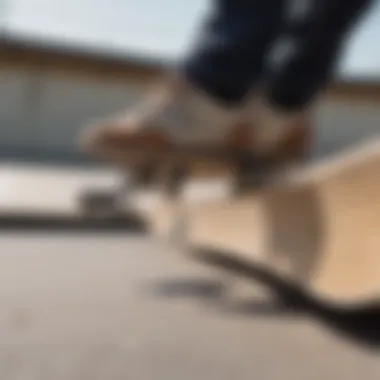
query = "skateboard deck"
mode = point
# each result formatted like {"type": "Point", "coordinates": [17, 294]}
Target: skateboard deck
{"type": "Point", "coordinates": [316, 227]}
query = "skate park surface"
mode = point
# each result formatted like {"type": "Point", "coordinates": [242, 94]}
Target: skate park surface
{"type": "Point", "coordinates": [110, 304]}
{"type": "Point", "coordinates": [117, 305]}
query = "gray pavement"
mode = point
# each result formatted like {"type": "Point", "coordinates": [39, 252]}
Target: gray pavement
{"type": "Point", "coordinates": [117, 306]}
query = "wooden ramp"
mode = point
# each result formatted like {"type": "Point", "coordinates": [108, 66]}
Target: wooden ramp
{"type": "Point", "coordinates": [318, 228]}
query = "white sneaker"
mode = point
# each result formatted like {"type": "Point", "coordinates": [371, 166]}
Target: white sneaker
{"type": "Point", "coordinates": [179, 116]}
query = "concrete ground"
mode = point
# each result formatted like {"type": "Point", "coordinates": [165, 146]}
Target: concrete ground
{"type": "Point", "coordinates": [116, 306]}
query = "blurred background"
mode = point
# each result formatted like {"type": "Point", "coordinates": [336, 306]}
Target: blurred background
{"type": "Point", "coordinates": [65, 63]}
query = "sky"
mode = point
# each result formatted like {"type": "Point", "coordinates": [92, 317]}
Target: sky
{"type": "Point", "coordinates": [158, 28]}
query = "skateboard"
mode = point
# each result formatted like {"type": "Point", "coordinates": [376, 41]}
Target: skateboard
{"type": "Point", "coordinates": [316, 227]}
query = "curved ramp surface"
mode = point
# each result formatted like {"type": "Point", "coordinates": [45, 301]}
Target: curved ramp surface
{"type": "Point", "coordinates": [318, 227]}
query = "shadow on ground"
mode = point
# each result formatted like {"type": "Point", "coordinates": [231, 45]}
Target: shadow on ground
{"type": "Point", "coordinates": [211, 291]}
{"type": "Point", "coordinates": [361, 326]}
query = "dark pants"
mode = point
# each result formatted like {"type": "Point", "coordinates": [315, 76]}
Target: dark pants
{"type": "Point", "coordinates": [291, 46]}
